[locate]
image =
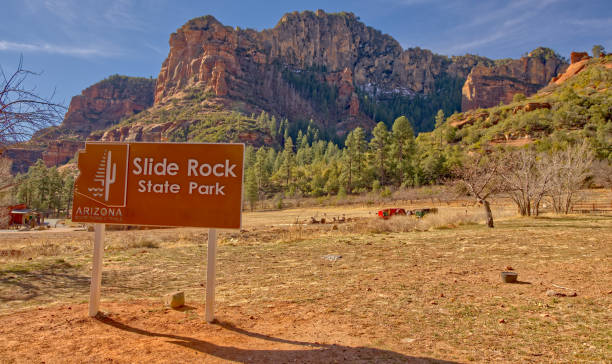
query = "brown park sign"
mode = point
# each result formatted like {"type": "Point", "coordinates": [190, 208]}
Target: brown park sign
{"type": "Point", "coordinates": [163, 184]}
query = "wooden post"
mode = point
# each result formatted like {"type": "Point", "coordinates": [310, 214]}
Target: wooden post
{"type": "Point", "coordinates": [210, 275]}
{"type": "Point", "coordinates": [96, 270]}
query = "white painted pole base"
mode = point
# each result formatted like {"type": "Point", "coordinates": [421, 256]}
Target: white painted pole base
{"type": "Point", "coordinates": [96, 270]}
{"type": "Point", "coordinates": [210, 275]}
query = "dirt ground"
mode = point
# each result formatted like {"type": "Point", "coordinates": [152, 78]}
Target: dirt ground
{"type": "Point", "coordinates": [316, 294]}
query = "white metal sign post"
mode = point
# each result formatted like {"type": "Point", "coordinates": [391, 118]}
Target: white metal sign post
{"type": "Point", "coordinates": [96, 270]}
{"type": "Point", "coordinates": [210, 275]}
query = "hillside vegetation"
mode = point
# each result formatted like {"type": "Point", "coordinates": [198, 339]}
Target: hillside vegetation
{"type": "Point", "coordinates": [578, 108]}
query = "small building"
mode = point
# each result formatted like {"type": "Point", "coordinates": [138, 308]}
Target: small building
{"type": "Point", "coordinates": [20, 215]}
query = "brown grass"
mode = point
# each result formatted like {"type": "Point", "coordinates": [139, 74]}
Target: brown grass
{"type": "Point", "coordinates": [431, 291]}
{"type": "Point", "coordinates": [446, 218]}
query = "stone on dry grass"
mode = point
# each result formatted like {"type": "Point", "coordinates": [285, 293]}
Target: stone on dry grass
{"type": "Point", "coordinates": [175, 299]}
{"type": "Point", "coordinates": [552, 293]}
{"type": "Point", "coordinates": [332, 257]}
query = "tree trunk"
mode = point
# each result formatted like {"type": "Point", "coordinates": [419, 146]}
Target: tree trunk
{"type": "Point", "coordinates": [487, 208]}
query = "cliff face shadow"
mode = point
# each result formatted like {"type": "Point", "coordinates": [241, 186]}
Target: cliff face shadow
{"type": "Point", "coordinates": [311, 353]}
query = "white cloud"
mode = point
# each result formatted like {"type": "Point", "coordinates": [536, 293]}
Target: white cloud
{"type": "Point", "coordinates": [507, 24]}
{"type": "Point", "coordinates": [156, 49]}
{"type": "Point", "coordinates": [514, 12]}
{"type": "Point", "coordinates": [54, 49]}
{"type": "Point", "coordinates": [119, 15]}
{"type": "Point", "coordinates": [469, 46]}
{"type": "Point", "coordinates": [409, 2]}
{"type": "Point", "coordinates": [592, 23]}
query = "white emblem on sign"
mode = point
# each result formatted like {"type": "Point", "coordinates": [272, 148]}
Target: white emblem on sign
{"type": "Point", "coordinates": [105, 175]}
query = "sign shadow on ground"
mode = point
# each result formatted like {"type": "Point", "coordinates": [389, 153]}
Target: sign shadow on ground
{"type": "Point", "coordinates": [314, 352]}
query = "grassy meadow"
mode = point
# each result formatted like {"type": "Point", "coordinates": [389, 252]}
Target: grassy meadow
{"type": "Point", "coordinates": [426, 288]}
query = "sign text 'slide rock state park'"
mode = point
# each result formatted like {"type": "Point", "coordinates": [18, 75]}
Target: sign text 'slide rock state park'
{"type": "Point", "coordinates": [163, 184]}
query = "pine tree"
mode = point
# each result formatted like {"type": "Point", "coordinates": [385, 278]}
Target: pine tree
{"type": "Point", "coordinates": [273, 128]}
{"type": "Point", "coordinates": [55, 181]}
{"type": "Point", "coordinates": [348, 157]}
{"type": "Point", "coordinates": [332, 184]}
{"type": "Point", "coordinates": [249, 156]}
{"type": "Point", "coordinates": [39, 175]}
{"type": "Point", "coordinates": [379, 152]}
{"type": "Point", "coordinates": [251, 189]}
{"type": "Point", "coordinates": [402, 148]}
{"type": "Point", "coordinates": [262, 171]}
{"type": "Point", "coordinates": [597, 50]}
{"type": "Point", "coordinates": [68, 191]}
{"type": "Point", "coordinates": [353, 156]}
{"type": "Point", "coordinates": [288, 161]}
{"type": "Point", "coordinates": [439, 122]}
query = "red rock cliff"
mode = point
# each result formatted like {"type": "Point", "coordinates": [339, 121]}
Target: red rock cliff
{"type": "Point", "coordinates": [59, 152]}
{"type": "Point", "coordinates": [249, 66]}
{"type": "Point", "coordinates": [205, 53]}
{"type": "Point", "coordinates": [488, 86]}
{"type": "Point", "coordinates": [105, 103]}
{"type": "Point", "coordinates": [21, 158]}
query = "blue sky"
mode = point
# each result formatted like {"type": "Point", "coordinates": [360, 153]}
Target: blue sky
{"type": "Point", "coordinates": [75, 43]}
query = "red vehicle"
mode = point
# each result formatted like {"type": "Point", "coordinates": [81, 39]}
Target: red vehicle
{"type": "Point", "coordinates": [387, 213]}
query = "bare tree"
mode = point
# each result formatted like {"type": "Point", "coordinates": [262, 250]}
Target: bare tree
{"type": "Point", "coordinates": [5, 184]}
{"type": "Point", "coordinates": [479, 176]}
{"type": "Point", "coordinates": [22, 110]}
{"type": "Point", "coordinates": [526, 177]}
{"type": "Point", "coordinates": [571, 167]}
{"type": "Point", "coordinates": [602, 173]}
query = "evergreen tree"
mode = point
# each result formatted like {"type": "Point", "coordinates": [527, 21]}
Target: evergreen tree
{"type": "Point", "coordinates": [597, 50]}
{"type": "Point", "coordinates": [402, 148]}
{"type": "Point", "coordinates": [353, 156]}
{"type": "Point", "coordinates": [379, 152]}
{"type": "Point", "coordinates": [262, 171]}
{"type": "Point", "coordinates": [433, 167]}
{"type": "Point", "coordinates": [284, 130]}
{"type": "Point", "coordinates": [68, 191]}
{"type": "Point", "coordinates": [25, 189]}
{"type": "Point", "coordinates": [288, 159]}
{"type": "Point", "coordinates": [332, 184]}
{"type": "Point", "coordinates": [249, 156]}
{"type": "Point", "coordinates": [317, 180]}
{"type": "Point", "coordinates": [56, 182]}
{"type": "Point", "coordinates": [251, 189]}
{"type": "Point", "coordinates": [40, 184]}
{"type": "Point", "coordinates": [439, 118]}
{"type": "Point", "coordinates": [439, 122]}
{"type": "Point", "coordinates": [45, 188]}
{"type": "Point", "coordinates": [273, 128]}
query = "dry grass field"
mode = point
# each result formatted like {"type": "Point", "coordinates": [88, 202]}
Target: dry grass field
{"type": "Point", "coordinates": [403, 290]}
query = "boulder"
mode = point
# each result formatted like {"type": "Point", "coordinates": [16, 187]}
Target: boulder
{"type": "Point", "coordinates": [578, 56]}
{"type": "Point", "coordinates": [175, 299]}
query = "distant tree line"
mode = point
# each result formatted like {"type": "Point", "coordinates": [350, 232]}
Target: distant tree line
{"type": "Point", "coordinates": [312, 166]}
{"type": "Point", "coordinates": [45, 189]}
{"type": "Point", "coordinates": [420, 108]}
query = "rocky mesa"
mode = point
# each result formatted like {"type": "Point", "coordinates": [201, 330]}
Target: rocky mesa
{"type": "Point", "coordinates": [264, 69]}
{"type": "Point", "coordinates": [328, 68]}
{"type": "Point", "coordinates": [487, 86]}
{"type": "Point", "coordinates": [106, 103]}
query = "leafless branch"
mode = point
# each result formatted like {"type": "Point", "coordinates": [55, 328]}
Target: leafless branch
{"type": "Point", "coordinates": [571, 167]}
{"type": "Point", "coordinates": [22, 110]}
{"type": "Point", "coordinates": [479, 175]}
